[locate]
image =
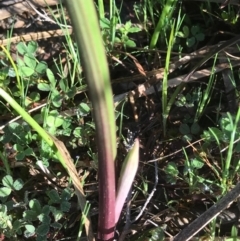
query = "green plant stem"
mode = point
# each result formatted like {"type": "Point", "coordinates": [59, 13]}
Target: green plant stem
{"type": "Point", "coordinates": [5, 163]}
{"type": "Point", "coordinates": [101, 8]}
{"type": "Point", "coordinates": [45, 136]}
{"type": "Point", "coordinates": [89, 40]}
{"type": "Point", "coordinates": [207, 94]}
{"type": "Point", "coordinates": [165, 84]}
{"type": "Point", "coordinates": [84, 214]}
{"type": "Point", "coordinates": [161, 26]}
{"type": "Point", "coordinates": [230, 149]}
{"type": "Point", "coordinates": [20, 87]}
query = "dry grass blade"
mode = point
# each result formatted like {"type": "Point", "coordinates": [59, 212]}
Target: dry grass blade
{"type": "Point", "coordinates": [71, 169]}
{"type": "Point", "coordinates": [9, 8]}
{"type": "Point", "coordinates": [212, 53]}
{"type": "Point", "coordinates": [36, 36]}
{"type": "Point", "coordinates": [147, 88]}
{"type": "Point", "coordinates": [225, 3]}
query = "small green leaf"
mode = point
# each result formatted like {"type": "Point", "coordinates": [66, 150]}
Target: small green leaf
{"type": "Point", "coordinates": [234, 233]}
{"type": "Point", "coordinates": [117, 40]}
{"type": "Point", "coordinates": [46, 209]}
{"type": "Point", "coordinates": [54, 196]}
{"type": "Point", "coordinates": [225, 16]}
{"type": "Point", "coordinates": [41, 238]}
{"type": "Point", "coordinates": [63, 85]}
{"type": "Point", "coordinates": [28, 151]}
{"type": "Point", "coordinates": [195, 29]}
{"type": "Point", "coordinates": [20, 156]}
{"type": "Point", "coordinates": [78, 132]}
{"type": "Point", "coordinates": [83, 109]}
{"type": "Point", "coordinates": [32, 47]}
{"type": "Point", "coordinates": [200, 37]}
{"type": "Point", "coordinates": [20, 63]}
{"type": "Point", "coordinates": [30, 228]}
{"type": "Point", "coordinates": [30, 215]}
{"type": "Point", "coordinates": [56, 98]}
{"type": "Point", "coordinates": [157, 233]}
{"type": "Point", "coordinates": [184, 129]}
{"type": "Point", "coordinates": [66, 194]}
{"type": "Point", "coordinates": [18, 147]}
{"type": "Point", "coordinates": [17, 224]}
{"type": "Point", "coordinates": [11, 73]}
{"type": "Point", "coordinates": [65, 206]}
{"type": "Point", "coordinates": [3, 209]}
{"type": "Point", "coordinates": [56, 225]}
{"type": "Point", "coordinates": [53, 121]}
{"type": "Point", "coordinates": [67, 124]}
{"type": "Point", "coordinates": [5, 191]}
{"type": "Point", "coordinates": [71, 92]}
{"type": "Point", "coordinates": [44, 218]}
{"type": "Point", "coordinates": [127, 25]}
{"type": "Point", "coordinates": [30, 61]}
{"type": "Point", "coordinates": [34, 96]}
{"type": "Point", "coordinates": [195, 128]}
{"type": "Point", "coordinates": [207, 135]}
{"type": "Point", "coordinates": [190, 42]}
{"type": "Point", "coordinates": [28, 234]}
{"type": "Point", "coordinates": [186, 31]}
{"type": "Point", "coordinates": [25, 71]}
{"type": "Point", "coordinates": [171, 169]}
{"type": "Point", "coordinates": [44, 87]}
{"type": "Point", "coordinates": [22, 48]}
{"type": "Point", "coordinates": [7, 181]}
{"type": "Point", "coordinates": [34, 204]}
{"type": "Point", "coordinates": [228, 128]}
{"type": "Point", "coordinates": [134, 30]}
{"type": "Point", "coordinates": [197, 163]}
{"type": "Point", "coordinates": [51, 78]}
{"type": "Point", "coordinates": [43, 229]}
{"type": "Point", "coordinates": [18, 184]}
{"type": "Point", "coordinates": [41, 67]}
{"type": "Point", "coordinates": [58, 214]}
{"type": "Point", "coordinates": [181, 100]}
{"type": "Point", "coordinates": [130, 43]}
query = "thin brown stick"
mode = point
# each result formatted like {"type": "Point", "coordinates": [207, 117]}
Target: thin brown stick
{"type": "Point", "coordinates": [199, 223]}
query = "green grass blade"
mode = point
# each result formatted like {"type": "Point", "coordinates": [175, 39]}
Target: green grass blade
{"type": "Point", "coordinates": [165, 81]}
{"type": "Point", "coordinates": [161, 26]}
{"type": "Point", "coordinates": [226, 171]}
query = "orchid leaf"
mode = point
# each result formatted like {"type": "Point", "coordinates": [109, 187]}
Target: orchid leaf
{"type": "Point", "coordinates": [128, 172]}
{"type": "Point", "coordinates": [93, 57]}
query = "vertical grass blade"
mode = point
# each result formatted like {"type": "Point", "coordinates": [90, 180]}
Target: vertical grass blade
{"type": "Point", "coordinates": [165, 108]}
{"type": "Point", "coordinates": [162, 22]}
